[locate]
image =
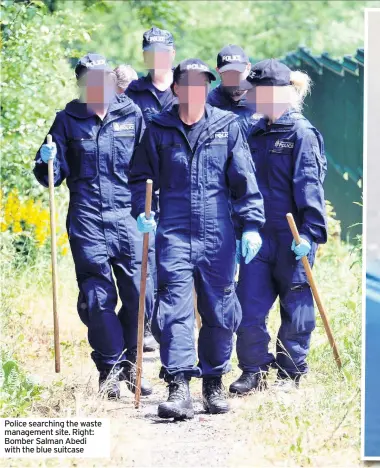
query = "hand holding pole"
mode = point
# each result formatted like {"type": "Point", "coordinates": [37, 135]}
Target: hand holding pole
{"type": "Point", "coordinates": [313, 286]}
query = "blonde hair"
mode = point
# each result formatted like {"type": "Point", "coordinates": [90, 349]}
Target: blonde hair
{"type": "Point", "coordinates": [299, 89]}
{"type": "Point", "coordinates": [124, 75]}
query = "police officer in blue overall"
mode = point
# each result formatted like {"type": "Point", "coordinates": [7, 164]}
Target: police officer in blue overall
{"type": "Point", "coordinates": [199, 161]}
{"type": "Point", "coordinates": [233, 66]}
{"type": "Point", "coordinates": [152, 93]}
{"type": "Point", "coordinates": [288, 153]}
{"type": "Point", "coordinates": [93, 141]}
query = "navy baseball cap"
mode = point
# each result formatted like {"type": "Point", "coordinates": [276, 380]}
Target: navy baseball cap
{"type": "Point", "coordinates": [157, 39]}
{"type": "Point", "coordinates": [269, 72]}
{"type": "Point", "coordinates": [91, 62]}
{"type": "Point", "coordinates": [192, 64]}
{"type": "Point", "coordinates": [232, 57]}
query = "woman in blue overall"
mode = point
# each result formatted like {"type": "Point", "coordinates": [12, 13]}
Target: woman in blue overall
{"type": "Point", "coordinates": [288, 153]}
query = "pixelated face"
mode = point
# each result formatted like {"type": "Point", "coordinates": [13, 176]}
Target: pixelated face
{"type": "Point", "coordinates": [192, 89]}
{"type": "Point", "coordinates": [159, 60]}
{"type": "Point", "coordinates": [272, 100]}
{"type": "Point", "coordinates": [97, 87]}
{"type": "Point", "coordinates": [269, 100]}
{"type": "Point", "coordinates": [231, 81]}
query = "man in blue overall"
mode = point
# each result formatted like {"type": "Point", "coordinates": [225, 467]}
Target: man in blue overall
{"type": "Point", "coordinates": [93, 141]}
{"type": "Point", "coordinates": [152, 93]}
{"type": "Point", "coordinates": [288, 154]}
{"type": "Point", "coordinates": [233, 66]}
{"type": "Point", "coordinates": [199, 161]}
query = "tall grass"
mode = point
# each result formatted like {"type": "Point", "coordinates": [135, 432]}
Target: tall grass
{"type": "Point", "coordinates": [319, 425]}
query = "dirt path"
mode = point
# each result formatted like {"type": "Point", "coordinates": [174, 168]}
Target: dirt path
{"type": "Point", "coordinates": [314, 426]}
{"type": "Point", "coordinates": [203, 441]}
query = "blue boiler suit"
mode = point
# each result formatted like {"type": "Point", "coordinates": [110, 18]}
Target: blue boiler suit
{"type": "Point", "coordinates": [195, 237]}
{"type": "Point", "coordinates": [218, 97]}
{"type": "Point", "coordinates": [93, 156]}
{"type": "Point", "coordinates": [148, 98]}
{"type": "Point", "coordinates": [290, 170]}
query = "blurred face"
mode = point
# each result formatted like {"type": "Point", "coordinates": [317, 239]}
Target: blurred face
{"type": "Point", "coordinates": [231, 80]}
{"type": "Point", "coordinates": [192, 89]}
{"type": "Point", "coordinates": [159, 61]}
{"type": "Point", "coordinates": [97, 87]}
{"type": "Point", "coordinates": [270, 101]}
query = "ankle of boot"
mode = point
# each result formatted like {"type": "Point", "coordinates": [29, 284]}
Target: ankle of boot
{"type": "Point", "coordinates": [179, 376]}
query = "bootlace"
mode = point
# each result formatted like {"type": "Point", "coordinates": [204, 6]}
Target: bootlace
{"type": "Point", "coordinates": [109, 379]}
{"type": "Point", "coordinates": [132, 372]}
{"type": "Point", "coordinates": [177, 391]}
{"type": "Point", "coordinates": [129, 372]}
{"type": "Point", "coordinates": [246, 377]}
{"type": "Point", "coordinates": [215, 388]}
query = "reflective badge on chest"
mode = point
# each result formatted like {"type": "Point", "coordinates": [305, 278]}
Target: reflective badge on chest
{"type": "Point", "coordinates": [219, 138]}
{"type": "Point", "coordinates": [282, 146]}
{"type": "Point", "coordinates": [221, 135]}
{"type": "Point", "coordinates": [123, 127]}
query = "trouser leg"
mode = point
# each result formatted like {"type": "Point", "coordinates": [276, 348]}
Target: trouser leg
{"type": "Point", "coordinates": [256, 292]}
{"type": "Point", "coordinates": [97, 302]}
{"type": "Point", "coordinates": [297, 312]}
{"type": "Point", "coordinates": [173, 317]}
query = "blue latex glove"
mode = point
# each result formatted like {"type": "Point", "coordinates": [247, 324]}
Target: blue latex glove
{"type": "Point", "coordinates": [251, 244]}
{"type": "Point", "coordinates": [146, 225]}
{"type": "Point", "coordinates": [238, 252]}
{"type": "Point", "coordinates": [302, 249]}
{"type": "Point", "coordinates": [48, 152]}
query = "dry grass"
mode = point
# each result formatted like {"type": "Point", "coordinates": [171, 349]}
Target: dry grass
{"type": "Point", "coordinates": [315, 426]}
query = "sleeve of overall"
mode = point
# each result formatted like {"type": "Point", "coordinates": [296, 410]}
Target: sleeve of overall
{"type": "Point", "coordinates": [247, 201]}
{"type": "Point", "coordinates": [309, 172]}
{"type": "Point", "coordinates": [140, 125]}
{"type": "Point", "coordinates": [144, 165]}
{"type": "Point", "coordinates": [61, 168]}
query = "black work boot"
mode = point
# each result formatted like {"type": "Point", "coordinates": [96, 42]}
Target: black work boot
{"type": "Point", "coordinates": [150, 344]}
{"type": "Point", "coordinates": [109, 382]}
{"type": "Point", "coordinates": [214, 395]}
{"type": "Point", "coordinates": [178, 404]}
{"type": "Point", "coordinates": [128, 374]}
{"type": "Point", "coordinates": [249, 381]}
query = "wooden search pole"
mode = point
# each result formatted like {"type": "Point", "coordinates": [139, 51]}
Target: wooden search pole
{"type": "Point", "coordinates": [144, 271]}
{"type": "Point", "coordinates": [316, 295]}
{"type": "Point", "coordinates": [57, 353]}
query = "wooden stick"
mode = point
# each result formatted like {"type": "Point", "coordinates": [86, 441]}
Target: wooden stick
{"type": "Point", "coordinates": [316, 295]}
{"type": "Point", "coordinates": [57, 353]}
{"type": "Point", "coordinates": [144, 271]}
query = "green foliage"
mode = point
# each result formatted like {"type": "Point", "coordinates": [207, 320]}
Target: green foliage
{"type": "Point", "coordinates": [17, 390]}
{"type": "Point", "coordinates": [200, 29]}
{"type": "Point", "coordinates": [36, 81]}
{"type": "Point", "coordinates": [40, 38]}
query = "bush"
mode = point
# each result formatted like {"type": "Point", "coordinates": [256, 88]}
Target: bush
{"type": "Point", "coordinates": [36, 81]}
{"type": "Point", "coordinates": [17, 390]}
{"type": "Point", "coordinates": [26, 230]}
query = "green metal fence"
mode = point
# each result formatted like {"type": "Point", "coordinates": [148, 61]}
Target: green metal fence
{"type": "Point", "coordinates": [335, 107]}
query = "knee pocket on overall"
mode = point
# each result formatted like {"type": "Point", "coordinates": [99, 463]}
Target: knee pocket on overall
{"type": "Point", "coordinates": [299, 309]}
{"type": "Point", "coordinates": [97, 292]}
{"type": "Point", "coordinates": [82, 308]}
{"type": "Point", "coordinates": [221, 308]}
{"type": "Point", "coordinates": [164, 302]}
